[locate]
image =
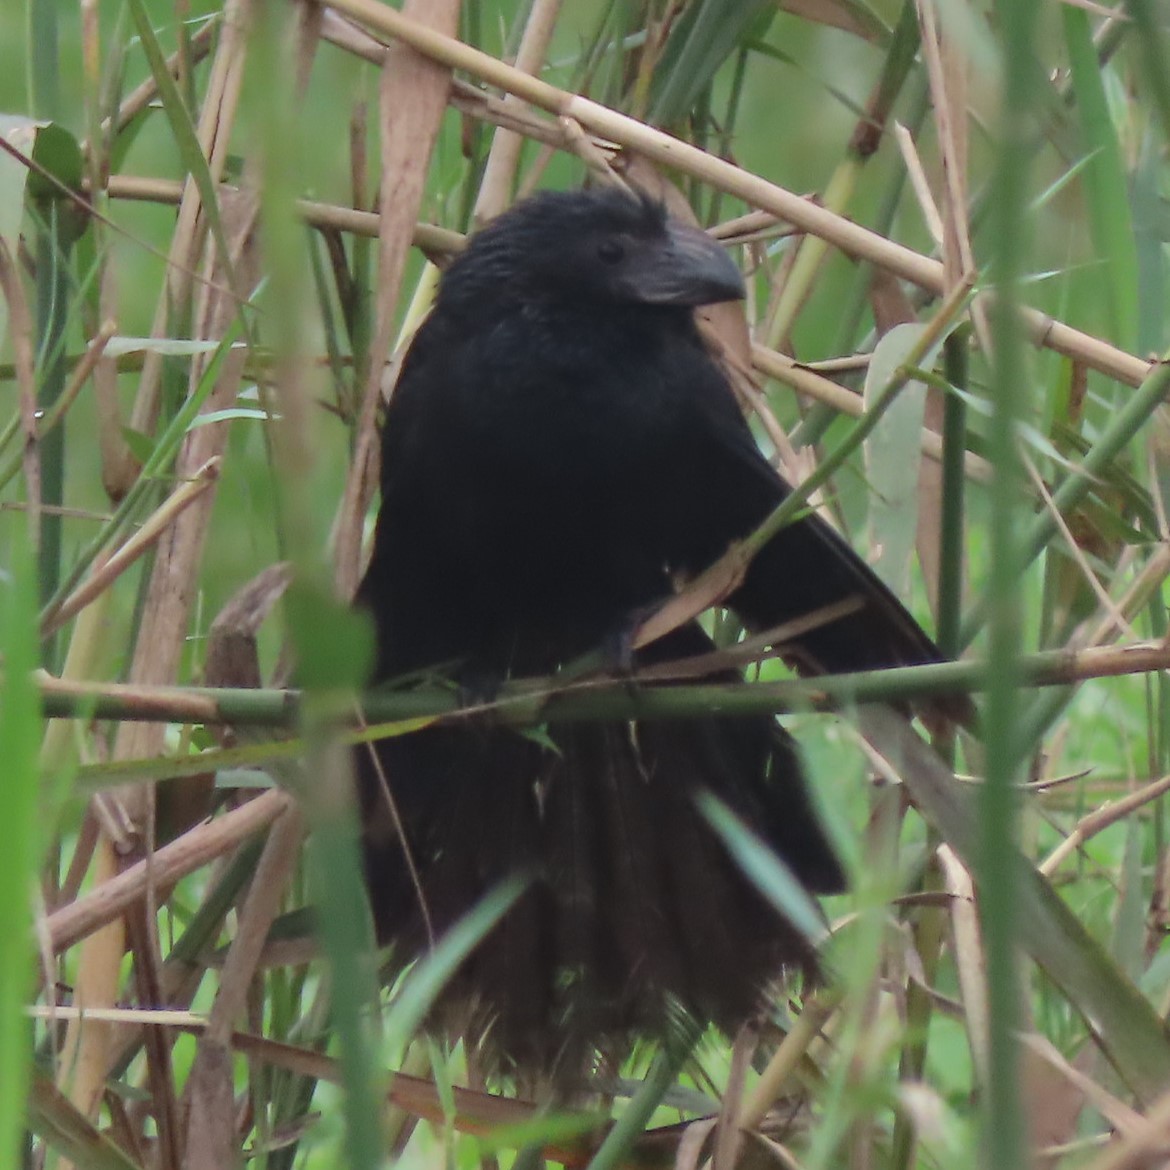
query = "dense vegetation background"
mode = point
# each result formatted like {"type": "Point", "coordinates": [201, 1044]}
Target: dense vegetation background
{"type": "Point", "coordinates": [1014, 153]}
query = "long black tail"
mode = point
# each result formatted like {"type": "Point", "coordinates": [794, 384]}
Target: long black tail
{"type": "Point", "coordinates": [635, 908]}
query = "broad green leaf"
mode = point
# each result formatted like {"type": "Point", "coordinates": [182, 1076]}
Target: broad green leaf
{"type": "Point", "coordinates": [20, 133]}
{"type": "Point", "coordinates": [59, 154]}
{"type": "Point", "coordinates": [893, 453]}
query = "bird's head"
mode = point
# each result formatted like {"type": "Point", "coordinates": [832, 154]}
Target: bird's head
{"type": "Point", "coordinates": [592, 247]}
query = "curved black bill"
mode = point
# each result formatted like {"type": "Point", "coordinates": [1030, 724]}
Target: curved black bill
{"type": "Point", "coordinates": [687, 268]}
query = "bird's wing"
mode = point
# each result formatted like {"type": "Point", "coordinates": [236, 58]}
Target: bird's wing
{"type": "Point", "coordinates": [805, 567]}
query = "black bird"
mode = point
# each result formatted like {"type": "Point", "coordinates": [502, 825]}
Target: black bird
{"type": "Point", "coordinates": [560, 447]}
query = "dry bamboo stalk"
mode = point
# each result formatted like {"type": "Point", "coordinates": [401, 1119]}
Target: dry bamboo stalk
{"type": "Point", "coordinates": [112, 897]}
{"type": "Point", "coordinates": [919, 183]}
{"type": "Point", "coordinates": [165, 615]}
{"type": "Point", "coordinates": [216, 119]}
{"type": "Point", "coordinates": [413, 97]}
{"type": "Point", "coordinates": [167, 610]}
{"type": "Point", "coordinates": [969, 956]}
{"type": "Point", "coordinates": [21, 328]}
{"type": "Point", "coordinates": [103, 575]}
{"type": "Point", "coordinates": [426, 236]}
{"type": "Point", "coordinates": [504, 155]}
{"type": "Point", "coordinates": [787, 1057]}
{"type": "Point", "coordinates": [1100, 819]}
{"type": "Point", "coordinates": [465, 97]}
{"type": "Point", "coordinates": [209, 1094]}
{"type": "Point", "coordinates": [280, 708]}
{"type": "Point", "coordinates": [436, 240]}
{"type": "Point", "coordinates": [82, 1069]}
{"type": "Point", "coordinates": [176, 569]}
{"type": "Point", "coordinates": [671, 152]}
{"type": "Point", "coordinates": [168, 704]}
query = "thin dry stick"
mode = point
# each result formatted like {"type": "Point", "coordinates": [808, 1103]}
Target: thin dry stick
{"type": "Point", "coordinates": [1074, 550]}
{"type": "Point", "coordinates": [215, 122]}
{"type": "Point", "coordinates": [77, 379]}
{"type": "Point", "coordinates": [749, 228]}
{"type": "Point", "coordinates": [598, 159]}
{"type": "Point", "coordinates": [1100, 819]}
{"type": "Point", "coordinates": [20, 321]}
{"type": "Point", "coordinates": [504, 156]}
{"type": "Point", "coordinates": [918, 183]}
{"type": "Point", "coordinates": [786, 1058]}
{"type": "Point", "coordinates": [103, 575]}
{"type": "Point", "coordinates": [111, 898]}
{"type": "Point", "coordinates": [969, 956]}
{"type": "Point", "coordinates": [165, 1017]}
{"type": "Point", "coordinates": [947, 67]}
{"type": "Point", "coordinates": [386, 792]}
{"type": "Point", "coordinates": [853, 363]}
{"type": "Point", "coordinates": [671, 152]}
{"type": "Point", "coordinates": [426, 236]}
{"type": "Point", "coordinates": [1148, 580]}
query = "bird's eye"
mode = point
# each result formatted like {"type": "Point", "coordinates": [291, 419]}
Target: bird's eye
{"type": "Point", "coordinates": [611, 252]}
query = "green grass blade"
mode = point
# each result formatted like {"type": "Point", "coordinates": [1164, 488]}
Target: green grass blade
{"type": "Point", "coordinates": [1105, 184]}
{"type": "Point", "coordinates": [431, 974]}
{"type": "Point", "coordinates": [767, 871]}
{"type": "Point", "coordinates": [703, 38]}
{"type": "Point", "coordinates": [20, 730]}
